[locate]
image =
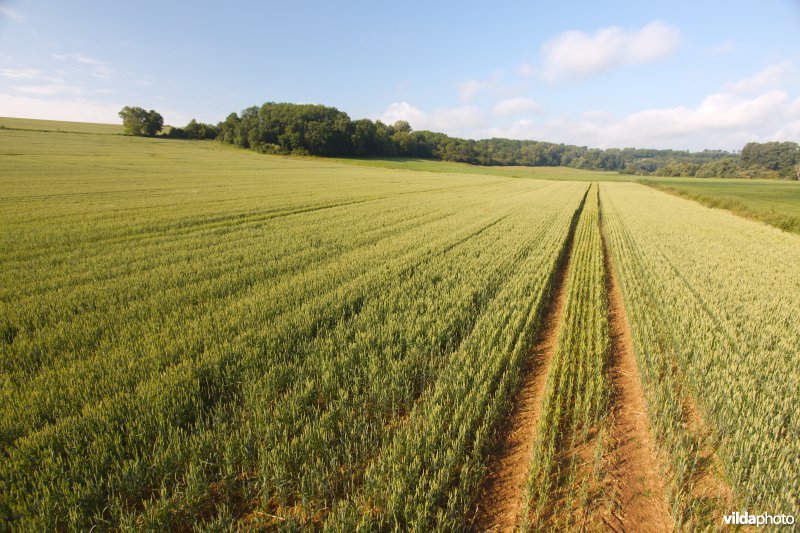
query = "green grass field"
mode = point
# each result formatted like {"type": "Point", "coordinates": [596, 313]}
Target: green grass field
{"type": "Point", "coordinates": [59, 126]}
{"type": "Point", "coordinates": [194, 336]}
{"type": "Point", "coordinates": [427, 165]}
{"type": "Point", "coordinates": [775, 202]}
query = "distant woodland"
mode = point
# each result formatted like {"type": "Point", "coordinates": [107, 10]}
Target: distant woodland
{"type": "Point", "coordinates": [306, 129]}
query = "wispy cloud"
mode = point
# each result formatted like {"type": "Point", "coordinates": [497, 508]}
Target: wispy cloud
{"type": "Point", "coordinates": [76, 108]}
{"type": "Point", "coordinates": [575, 55]}
{"type": "Point", "coordinates": [100, 69]}
{"type": "Point", "coordinates": [514, 106]}
{"type": "Point", "coordinates": [468, 89]}
{"type": "Point", "coordinates": [103, 71]}
{"type": "Point", "coordinates": [79, 110]}
{"type": "Point", "coordinates": [720, 49]}
{"type": "Point", "coordinates": [526, 70]}
{"type": "Point", "coordinates": [13, 14]}
{"type": "Point", "coordinates": [773, 76]}
{"type": "Point", "coordinates": [20, 74]}
{"type": "Point", "coordinates": [48, 90]}
{"type": "Point", "coordinates": [80, 58]}
{"type": "Point", "coordinates": [457, 118]}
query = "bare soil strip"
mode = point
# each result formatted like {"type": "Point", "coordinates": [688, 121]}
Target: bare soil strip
{"type": "Point", "coordinates": [502, 494]}
{"type": "Point", "coordinates": [637, 483]}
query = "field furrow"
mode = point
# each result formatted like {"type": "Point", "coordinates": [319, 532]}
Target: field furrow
{"type": "Point", "coordinates": [429, 474]}
{"type": "Point", "coordinates": [712, 329]}
{"type": "Point", "coordinates": [634, 470]}
{"type": "Point", "coordinates": [501, 499]}
{"type": "Point", "coordinates": [570, 438]}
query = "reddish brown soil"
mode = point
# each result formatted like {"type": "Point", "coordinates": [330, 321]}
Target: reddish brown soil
{"type": "Point", "coordinates": [640, 502]}
{"type": "Point", "coordinates": [503, 491]}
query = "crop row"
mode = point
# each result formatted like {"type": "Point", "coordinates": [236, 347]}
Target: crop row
{"type": "Point", "coordinates": [427, 476]}
{"type": "Point", "coordinates": [575, 404]}
{"type": "Point", "coordinates": [712, 300]}
{"type": "Point", "coordinates": [271, 395]}
{"type": "Point", "coordinates": [159, 317]}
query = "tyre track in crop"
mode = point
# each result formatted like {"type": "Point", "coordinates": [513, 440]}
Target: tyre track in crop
{"type": "Point", "coordinates": [637, 485]}
{"type": "Point", "coordinates": [708, 485]}
{"type": "Point", "coordinates": [705, 495]}
{"type": "Point", "coordinates": [502, 494]}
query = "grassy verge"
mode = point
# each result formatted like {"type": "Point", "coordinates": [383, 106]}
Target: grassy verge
{"type": "Point", "coordinates": [781, 208]}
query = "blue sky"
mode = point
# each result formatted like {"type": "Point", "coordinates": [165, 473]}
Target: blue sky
{"type": "Point", "coordinates": [647, 74]}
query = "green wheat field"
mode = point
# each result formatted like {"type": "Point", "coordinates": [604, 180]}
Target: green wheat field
{"type": "Point", "coordinates": [194, 336]}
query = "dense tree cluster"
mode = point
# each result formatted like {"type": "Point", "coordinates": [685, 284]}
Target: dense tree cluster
{"type": "Point", "coordinates": [776, 160]}
{"type": "Point", "coordinates": [326, 131]}
{"type": "Point", "coordinates": [772, 159]}
{"type": "Point", "coordinates": [290, 128]}
{"type": "Point", "coordinates": [282, 128]}
{"type": "Point", "coordinates": [194, 130]}
{"type": "Point", "coordinates": [137, 121]}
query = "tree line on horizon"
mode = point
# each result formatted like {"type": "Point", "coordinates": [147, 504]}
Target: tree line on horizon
{"type": "Point", "coordinates": [311, 129]}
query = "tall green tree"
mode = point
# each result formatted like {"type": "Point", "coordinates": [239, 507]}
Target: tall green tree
{"type": "Point", "coordinates": [781, 157]}
{"type": "Point", "coordinates": [137, 121]}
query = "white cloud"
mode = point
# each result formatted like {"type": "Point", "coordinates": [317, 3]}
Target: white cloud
{"type": "Point", "coordinates": [83, 58]}
{"type": "Point", "coordinates": [773, 76]}
{"type": "Point", "coordinates": [456, 118]}
{"type": "Point", "coordinates": [519, 129]}
{"type": "Point", "coordinates": [404, 111]}
{"type": "Point", "coordinates": [514, 106]}
{"type": "Point", "coordinates": [720, 49]}
{"type": "Point", "coordinates": [75, 110]}
{"type": "Point", "coordinates": [13, 14]}
{"type": "Point", "coordinates": [719, 111]}
{"type": "Point", "coordinates": [78, 110]}
{"type": "Point", "coordinates": [20, 74]}
{"type": "Point", "coordinates": [100, 69]}
{"type": "Point", "coordinates": [789, 131]}
{"type": "Point", "coordinates": [721, 120]}
{"type": "Point", "coordinates": [468, 89]}
{"type": "Point", "coordinates": [48, 90]}
{"type": "Point", "coordinates": [80, 58]}
{"type": "Point", "coordinates": [526, 70]}
{"type": "Point", "coordinates": [577, 55]}
{"type": "Point", "coordinates": [759, 108]}
{"type": "Point", "coordinates": [794, 108]}
{"type": "Point", "coordinates": [444, 119]}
